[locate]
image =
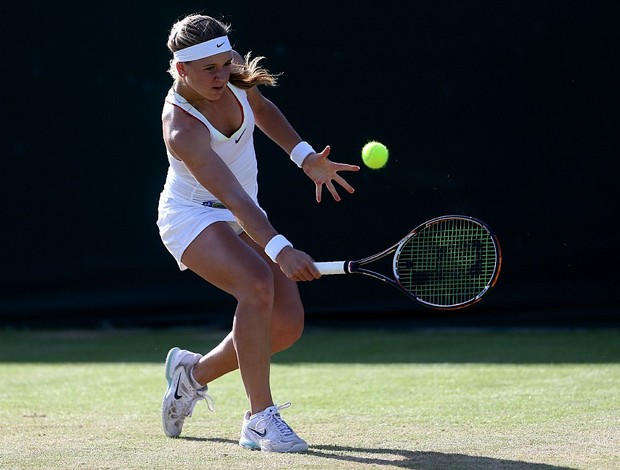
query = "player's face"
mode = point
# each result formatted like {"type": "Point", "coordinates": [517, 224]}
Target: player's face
{"type": "Point", "coordinates": [209, 76]}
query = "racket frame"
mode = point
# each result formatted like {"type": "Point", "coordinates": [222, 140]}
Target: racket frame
{"type": "Point", "coordinates": [357, 267]}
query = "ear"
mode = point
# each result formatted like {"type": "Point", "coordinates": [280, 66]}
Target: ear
{"type": "Point", "coordinates": [181, 69]}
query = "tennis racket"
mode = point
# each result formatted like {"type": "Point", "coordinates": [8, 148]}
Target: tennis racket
{"type": "Point", "coordinates": [449, 262]}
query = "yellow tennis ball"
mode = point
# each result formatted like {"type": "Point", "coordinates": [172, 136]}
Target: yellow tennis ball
{"type": "Point", "coordinates": [375, 155]}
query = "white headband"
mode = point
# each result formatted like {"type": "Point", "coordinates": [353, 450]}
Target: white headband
{"type": "Point", "coordinates": [204, 49]}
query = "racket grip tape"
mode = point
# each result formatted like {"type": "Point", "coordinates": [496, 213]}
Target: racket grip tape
{"type": "Point", "coordinates": [331, 267]}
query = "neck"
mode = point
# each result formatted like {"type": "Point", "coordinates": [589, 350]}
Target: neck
{"type": "Point", "coordinates": [188, 93]}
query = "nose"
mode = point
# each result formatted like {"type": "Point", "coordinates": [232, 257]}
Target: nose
{"type": "Point", "coordinates": [220, 75]}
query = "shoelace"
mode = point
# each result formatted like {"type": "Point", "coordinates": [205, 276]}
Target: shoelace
{"type": "Point", "coordinates": [188, 404]}
{"type": "Point", "coordinates": [281, 426]}
{"type": "Point", "coordinates": [200, 395]}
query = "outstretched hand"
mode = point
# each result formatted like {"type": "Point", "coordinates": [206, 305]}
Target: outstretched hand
{"type": "Point", "coordinates": [323, 171]}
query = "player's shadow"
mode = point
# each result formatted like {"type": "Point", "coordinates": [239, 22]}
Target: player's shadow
{"type": "Point", "coordinates": [419, 460]}
{"type": "Point", "coordinates": [422, 460]}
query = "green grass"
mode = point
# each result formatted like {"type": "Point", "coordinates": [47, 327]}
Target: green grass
{"type": "Point", "coordinates": [362, 399]}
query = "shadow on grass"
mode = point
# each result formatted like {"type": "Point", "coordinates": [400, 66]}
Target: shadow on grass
{"type": "Point", "coordinates": [398, 458]}
{"type": "Point", "coordinates": [422, 460]}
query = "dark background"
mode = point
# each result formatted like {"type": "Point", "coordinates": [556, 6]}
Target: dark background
{"type": "Point", "coordinates": [503, 110]}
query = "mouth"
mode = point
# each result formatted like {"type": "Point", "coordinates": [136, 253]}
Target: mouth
{"type": "Point", "coordinates": [221, 84]}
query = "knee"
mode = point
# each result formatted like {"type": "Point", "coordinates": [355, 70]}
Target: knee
{"type": "Point", "coordinates": [287, 331]}
{"type": "Point", "coordinates": [257, 290]}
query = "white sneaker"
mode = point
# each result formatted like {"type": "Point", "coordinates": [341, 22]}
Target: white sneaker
{"type": "Point", "coordinates": [181, 395]}
{"type": "Point", "coordinates": [268, 432]}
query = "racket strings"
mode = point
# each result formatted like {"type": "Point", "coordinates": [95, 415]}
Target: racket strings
{"type": "Point", "coordinates": [448, 263]}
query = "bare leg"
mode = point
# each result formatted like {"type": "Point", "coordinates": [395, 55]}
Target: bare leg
{"type": "Point", "coordinates": [269, 315]}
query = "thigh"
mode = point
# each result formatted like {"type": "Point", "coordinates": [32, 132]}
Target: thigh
{"type": "Point", "coordinates": [230, 261]}
{"type": "Point", "coordinates": [224, 259]}
{"type": "Point", "coordinates": [287, 309]}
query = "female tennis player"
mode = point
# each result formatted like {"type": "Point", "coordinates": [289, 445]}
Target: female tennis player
{"type": "Point", "coordinates": [210, 220]}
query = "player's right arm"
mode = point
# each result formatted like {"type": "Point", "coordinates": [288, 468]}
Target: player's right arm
{"type": "Point", "coordinates": [190, 141]}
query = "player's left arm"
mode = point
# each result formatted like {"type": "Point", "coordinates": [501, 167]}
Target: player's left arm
{"type": "Point", "coordinates": [317, 166]}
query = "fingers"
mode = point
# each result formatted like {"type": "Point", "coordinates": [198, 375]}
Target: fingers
{"type": "Point", "coordinates": [300, 267]}
{"type": "Point", "coordinates": [304, 276]}
{"type": "Point", "coordinates": [346, 167]}
{"type": "Point", "coordinates": [342, 182]}
{"type": "Point", "coordinates": [311, 273]}
{"type": "Point", "coordinates": [325, 172]}
{"type": "Point", "coordinates": [326, 151]}
{"type": "Point", "coordinates": [332, 190]}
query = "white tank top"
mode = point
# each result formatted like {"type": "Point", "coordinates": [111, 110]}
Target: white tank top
{"type": "Point", "coordinates": [237, 151]}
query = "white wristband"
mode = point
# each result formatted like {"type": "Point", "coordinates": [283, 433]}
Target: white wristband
{"type": "Point", "coordinates": [276, 245]}
{"type": "Point", "coordinates": [300, 152]}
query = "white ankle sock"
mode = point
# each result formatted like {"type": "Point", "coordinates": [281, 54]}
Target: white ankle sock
{"type": "Point", "coordinates": [194, 381]}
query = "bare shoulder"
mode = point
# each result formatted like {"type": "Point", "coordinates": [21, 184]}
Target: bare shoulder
{"type": "Point", "coordinates": [177, 120]}
{"type": "Point", "coordinates": [182, 131]}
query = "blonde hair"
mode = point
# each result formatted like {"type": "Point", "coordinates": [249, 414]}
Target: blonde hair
{"type": "Point", "coordinates": [196, 28]}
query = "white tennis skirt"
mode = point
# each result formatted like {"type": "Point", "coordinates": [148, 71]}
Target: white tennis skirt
{"type": "Point", "coordinates": [181, 222]}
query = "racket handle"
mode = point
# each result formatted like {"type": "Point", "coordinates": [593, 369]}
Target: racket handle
{"type": "Point", "coordinates": [331, 267]}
